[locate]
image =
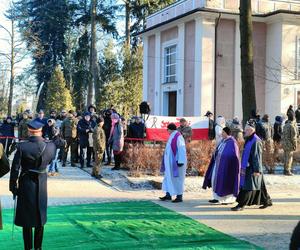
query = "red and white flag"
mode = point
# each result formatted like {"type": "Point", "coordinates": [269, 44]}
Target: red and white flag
{"type": "Point", "coordinates": [156, 127]}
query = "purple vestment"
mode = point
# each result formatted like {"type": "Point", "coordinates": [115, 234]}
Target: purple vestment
{"type": "Point", "coordinates": [174, 150]}
{"type": "Point", "coordinates": [227, 172]}
{"type": "Point", "coordinates": [245, 157]}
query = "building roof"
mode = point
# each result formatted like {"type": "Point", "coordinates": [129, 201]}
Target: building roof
{"type": "Point", "coordinates": [183, 8]}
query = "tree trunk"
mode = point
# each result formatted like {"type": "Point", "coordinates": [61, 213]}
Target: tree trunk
{"type": "Point", "coordinates": [127, 22]}
{"type": "Point", "coordinates": [12, 69]}
{"type": "Point", "coordinates": [93, 56]}
{"type": "Point", "coordinates": [247, 68]}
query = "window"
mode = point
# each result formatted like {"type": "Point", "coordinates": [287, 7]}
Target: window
{"type": "Point", "coordinates": [297, 71]}
{"type": "Point", "coordinates": [170, 64]}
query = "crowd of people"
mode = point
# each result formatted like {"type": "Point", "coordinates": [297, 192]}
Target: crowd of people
{"type": "Point", "coordinates": [283, 134]}
{"type": "Point", "coordinates": [90, 136]}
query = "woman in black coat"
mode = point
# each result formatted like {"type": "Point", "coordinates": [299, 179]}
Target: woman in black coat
{"type": "Point", "coordinates": [7, 129]}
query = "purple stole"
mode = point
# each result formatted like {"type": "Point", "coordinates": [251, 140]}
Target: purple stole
{"type": "Point", "coordinates": [174, 163]}
{"type": "Point", "coordinates": [245, 157]}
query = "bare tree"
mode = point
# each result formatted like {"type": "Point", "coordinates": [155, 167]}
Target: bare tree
{"type": "Point", "coordinates": [93, 55]}
{"type": "Point", "coordinates": [15, 55]}
{"type": "Point", "coordinates": [247, 68]}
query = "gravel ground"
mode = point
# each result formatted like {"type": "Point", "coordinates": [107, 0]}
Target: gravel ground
{"type": "Point", "coordinates": [270, 228]}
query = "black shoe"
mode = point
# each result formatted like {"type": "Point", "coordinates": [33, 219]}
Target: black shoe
{"type": "Point", "coordinates": [99, 176]}
{"type": "Point", "coordinates": [115, 168]}
{"type": "Point", "coordinates": [237, 208]}
{"type": "Point", "coordinates": [81, 166]}
{"type": "Point", "coordinates": [165, 198]}
{"type": "Point", "coordinates": [73, 164]}
{"type": "Point", "coordinates": [266, 205]}
{"type": "Point", "coordinates": [64, 164]}
{"type": "Point", "coordinates": [288, 173]}
{"type": "Point", "coordinates": [214, 201]}
{"type": "Point", "coordinates": [177, 200]}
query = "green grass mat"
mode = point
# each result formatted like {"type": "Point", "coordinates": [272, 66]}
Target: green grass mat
{"type": "Point", "coordinates": [121, 225]}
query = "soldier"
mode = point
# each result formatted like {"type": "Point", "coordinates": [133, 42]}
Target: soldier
{"type": "Point", "coordinates": [28, 181]}
{"type": "Point", "coordinates": [185, 130]}
{"type": "Point", "coordinates": [267, 142]}
{"type": "Point", "coordinates": [237, 129]}
{"type": "Point", "coordinates": [23, 128]}
{"type": "Point", "coordinates": [69, 133]}
{"type": "Point", "coordinates": [289, 143]}
{"type": "Point", "coordinates": [99, 146]}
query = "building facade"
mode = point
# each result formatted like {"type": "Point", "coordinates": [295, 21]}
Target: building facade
{"type": "Point", "coordinates": [192, 57]}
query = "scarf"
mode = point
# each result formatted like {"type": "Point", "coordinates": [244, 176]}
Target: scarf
{"type": "Point", "coordinates": [174, 163]}
{"type": "Point", "coordinates": [245, 157]}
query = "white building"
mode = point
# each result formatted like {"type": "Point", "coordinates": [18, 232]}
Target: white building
{"type": "Point", "coordinates": [180, 58]}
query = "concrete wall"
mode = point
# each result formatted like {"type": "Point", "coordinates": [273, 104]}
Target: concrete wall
{"type": "Point", "coordinates": [259, 50]}
{"type": "Point", "coordinates": [151, 70]}
{"type": "Point", "coordinates": [225, 68]}
{"type": "Point", "coordinates": [273, 72]}
{"type": "Point", "coordinates": [189, 68]}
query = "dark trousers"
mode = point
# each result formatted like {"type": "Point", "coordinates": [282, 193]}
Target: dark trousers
{"type": "Point", "coordinates": [38, 237]}
{"type": "Point", "coordinates": [108, 152]}
{"type": "Point", "coordinates": [71, 143]}
{"type": "Point", "coordinates": [89, 151]}
{"type": "Point", "coordinates": [117, 158]}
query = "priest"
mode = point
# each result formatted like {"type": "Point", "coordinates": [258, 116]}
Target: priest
{"type": "Point", "coordinates": [252, 186]}
{"type": "Point", "coordinates": [173, 165]}
{"type": "Point", "coordinates": [223, 172]}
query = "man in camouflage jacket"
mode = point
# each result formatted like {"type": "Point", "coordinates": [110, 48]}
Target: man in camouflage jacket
{"type": "Point", "coordinates": [289, 143]}
{"type": "Point", "coordinates": [98, 146]}
{"type": "Point", "coordinates": [23, 128]}
{"type": "Point", "coordinates": [69, 133]}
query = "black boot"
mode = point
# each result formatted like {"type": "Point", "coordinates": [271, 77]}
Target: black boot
{"type": "Point", "coordinates": [167, 197]}
{"type": "Point", "coordinates": [178, 199]}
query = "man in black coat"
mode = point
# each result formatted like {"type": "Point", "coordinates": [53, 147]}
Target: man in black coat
{"type": "Point", "coordinates": [28, 181]}
{"type": "Point", "coordinates": [85, 128]}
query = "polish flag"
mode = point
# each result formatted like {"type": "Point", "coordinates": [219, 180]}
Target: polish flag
{"type": "Point", "coordinates": [156, 127]}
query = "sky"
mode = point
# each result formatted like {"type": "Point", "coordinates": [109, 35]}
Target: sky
{"type": "Point", "coordinates": [4, 46]}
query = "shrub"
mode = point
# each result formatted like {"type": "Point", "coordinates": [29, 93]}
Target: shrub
{"type": "Point", "coordinates": [146, 158]}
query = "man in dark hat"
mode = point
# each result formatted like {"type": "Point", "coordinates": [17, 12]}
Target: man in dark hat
{"type": "Point", "coordinates": [211, 125]}
{"type": "Point", "coordinates": [69, 133]}
{"type": "Point", "coordinates": [28, 181]}
{"type": "Point", "coordinates": [253, 190]}
{"type": "Point", "coordinates": [85, 128]}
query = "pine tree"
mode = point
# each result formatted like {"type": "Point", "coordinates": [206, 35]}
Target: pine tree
{"type": "Point", "coordinates": [58, 96]}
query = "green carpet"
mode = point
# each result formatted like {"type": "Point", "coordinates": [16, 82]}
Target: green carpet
{"type": "Point", "coordinates": [121, 225]}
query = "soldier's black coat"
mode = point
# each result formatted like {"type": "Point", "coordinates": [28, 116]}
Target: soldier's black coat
{"type": "Point", "coordinates": [32, 190]}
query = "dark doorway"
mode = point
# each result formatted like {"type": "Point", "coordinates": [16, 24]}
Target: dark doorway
{"type": "Point", "coordinates": [172, 103]}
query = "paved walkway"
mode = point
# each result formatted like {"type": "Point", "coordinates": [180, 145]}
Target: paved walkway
{"type": "Point", "coordinates": [270, 228]}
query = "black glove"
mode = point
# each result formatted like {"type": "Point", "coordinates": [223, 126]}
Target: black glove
{"type": "Point", "coordinates": [179, 164]}
{"type": "Point", "coordinates": [13, 187]}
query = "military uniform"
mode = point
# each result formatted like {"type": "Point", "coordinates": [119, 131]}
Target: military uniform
{"type": "Point", "coordinates": [23, 129]}
{"type": "Point", "coordinates": [268, 146]}
{"type": "Point", "coordinates": [69, 133]}
{"type": "Point", "coordinates": [28, 181]}
{"type": "Point", "coordinates": [186, 132]}
{"type": "Point", "coordinates": [289, 144]}
{"type": "Point", "coordinates": [99, 143]}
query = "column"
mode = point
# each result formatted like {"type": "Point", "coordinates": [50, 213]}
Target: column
{"type": "Point", "coordinates": [157, 88]}
{"type": "Point", "coordinates": [238, 111]}
{"type": "Point", "coordinates": [198, 66]}
{"type": "Point", "coordinates": [145, 68]}
{"type": "Point", "coordinates": [180, 70]}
